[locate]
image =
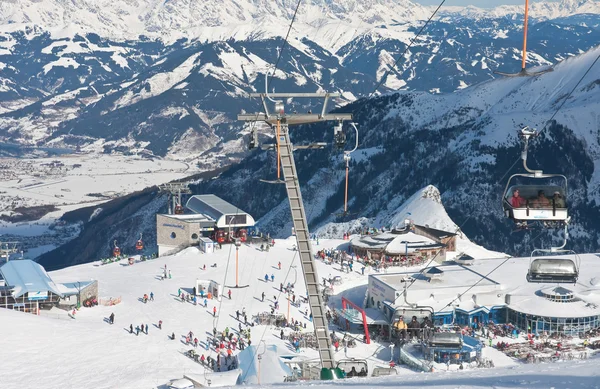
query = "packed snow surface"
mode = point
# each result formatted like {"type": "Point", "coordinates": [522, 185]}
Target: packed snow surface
{"type": "Point", "coordinates": [119, 359]}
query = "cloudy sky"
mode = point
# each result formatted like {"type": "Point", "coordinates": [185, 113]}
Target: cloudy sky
{"type": "Point", "coordinates": [478, 3]}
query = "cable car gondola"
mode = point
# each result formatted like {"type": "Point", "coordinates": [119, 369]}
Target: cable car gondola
{"type": "Point", "coordinates": [139, 245]}
{"type": "Point", "coordinates": [552, 270]}
{"type": "Point", "coordinates": [242, 234]}
{"type": "Point", "coordinates": [116, 250]}
{"type": "Point", "coordinates": [544, 202]}
{"type": "Point", "coordinates": [178, 209]}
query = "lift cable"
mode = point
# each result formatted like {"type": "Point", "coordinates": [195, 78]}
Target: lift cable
{"type": "Point", "coordinates": [412, 41]}
{"type": "Point", "coordinates": [513, 165]}
{"type": "Point", "coordinates": [285, 41]}
{"type": "Point", "coordinates": [279, 294]}
{"type": "Point", "coordinates": [470, 216]}
{"type": "Point", "coordinates": [481, 279]}
{"type": "Point", "coordinates": [571, 92]}
{"type": "Point", "coordinates": [217, 317]}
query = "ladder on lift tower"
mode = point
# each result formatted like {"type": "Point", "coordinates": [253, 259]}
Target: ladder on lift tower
{"type": "Point", "coordinates": [292, 185]}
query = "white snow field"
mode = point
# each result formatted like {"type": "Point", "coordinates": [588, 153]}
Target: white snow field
{"type": "Point", "coordinates": [55, 351]}
{"type": "Point", "coordinates": [68, 180]}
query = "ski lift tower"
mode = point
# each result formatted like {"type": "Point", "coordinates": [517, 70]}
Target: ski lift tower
{"type": "Point", "coordinates": [281, 121]}
{"type": "Point", "coordinates": [175, 189]}
{"type": "Point", "coordinates": [7, 249]}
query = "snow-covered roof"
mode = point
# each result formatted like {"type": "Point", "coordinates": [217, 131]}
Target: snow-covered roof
{"type": "Point", "coordinates": [196, 217]}
{"type": "Point", "coordinates": [72, 288]}
{"type": "Point", "coordinates": [25, 276]}
{"type": "Point", "coordinates": [493, 287]}
{"type": "Point", "coordinates": [394, 244]}
{"type": "Point", "coordinates": [225, 214]}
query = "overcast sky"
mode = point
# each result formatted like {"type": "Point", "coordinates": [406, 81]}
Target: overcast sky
{"type": "Point", "coordinates": [478, 3]}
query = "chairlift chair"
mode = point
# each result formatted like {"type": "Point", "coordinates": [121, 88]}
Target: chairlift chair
{"type": "Point", "coordinates": [354, 367]}
{"type": "Point", "coordinates": [530, 204]}
{"type": "Point", "coordinates": [524, 72]}
{"type": "Point", "coordinates": [552, 270]}
{"type": "Point", "coordinates": [340, 141]}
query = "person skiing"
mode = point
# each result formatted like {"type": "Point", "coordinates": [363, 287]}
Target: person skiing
{"type": "Point", "coordinates": [151, 296]}
{"type": "Point", "coordinates": [205, 303]}
{"type": "Point", "coordinates": [229, 294]}
{"type": "Point", "coordinates": [281, 334]}
{"type": "Point", "coordinates": [266, 278]}
{"type": "Point", "coordinates": [195, 342]}
{"type": "Point", "coordinates": [179, 292]}
{"type": "Point", "coordinates": [112, 318]}
{"type": "Point", "coordinates": [169, 273]}
{"type": "Point", "coordinates": [215, 311]}
{"type": "Point", "coordinates": [272, 277]}
{"type": "Point", "coordinates": [137, 330]}
{"type": "Point", "coordinates": [131, 328]}
{"type": "Point", "coordinates": [173, 336]}
{"type": "Point", "coordinates": [262, 296]}
{"type": "Point", "coordinates": [146, 329]}
{"type": "Point", "coordinates": [279, 265]}
{"type": "Point", "coordinates": [160, 324]}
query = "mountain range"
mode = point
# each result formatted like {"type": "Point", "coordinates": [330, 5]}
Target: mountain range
{"type": "Point", "coordinates": [465, 144]}
{"type": "Point", "coordinates": [168, 78]}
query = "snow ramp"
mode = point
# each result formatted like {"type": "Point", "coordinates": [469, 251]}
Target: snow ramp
{"type": "Point", "coordinates": [272, 368]}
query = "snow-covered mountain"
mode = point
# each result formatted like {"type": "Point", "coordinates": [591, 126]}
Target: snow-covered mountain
{"type": "Point", "coordinates": [541, 10]}
{"type": "Point", "coordinates": [174, 19]}
{"type": "Point", "coordinates": [463, 143]}
{"type": "Point", "coordinates": [180, 99]}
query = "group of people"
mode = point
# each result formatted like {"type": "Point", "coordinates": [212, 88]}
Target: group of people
{"type": "Point", "coordinates": [541, 201]}
{"type": "Point", "coordinates": [411, 331]}
{"type": "Point", "coordinates": [142, 327]}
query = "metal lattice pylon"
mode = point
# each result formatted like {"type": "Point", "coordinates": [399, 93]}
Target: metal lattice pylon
{"type": "Point", "coordinates": [286, 157]}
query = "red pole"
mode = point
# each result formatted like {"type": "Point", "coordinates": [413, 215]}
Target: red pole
{"type": "Point", "coordinates": [525, 35]}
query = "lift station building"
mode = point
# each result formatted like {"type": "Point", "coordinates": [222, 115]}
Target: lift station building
{"type": "Point", "coordinates": [206, 216]}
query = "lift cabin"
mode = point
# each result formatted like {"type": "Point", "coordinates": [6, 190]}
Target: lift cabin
{"type": "Point", "coordinates": [139, 245]}
{"type": "Point", "coordinates": [116, 250]}
{"type": "Point", "coordinates": [535, 196]}
{"type": "Point", "coordinates": [554, 270]}
{"type": "Point", "coordinates": [354, 367]}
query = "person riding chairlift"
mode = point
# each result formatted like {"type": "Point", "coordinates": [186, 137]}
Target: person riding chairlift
{"type": "Point", "coordinates": [516, 200]}
{"type": "Point", "coordinates": [541, 201]}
